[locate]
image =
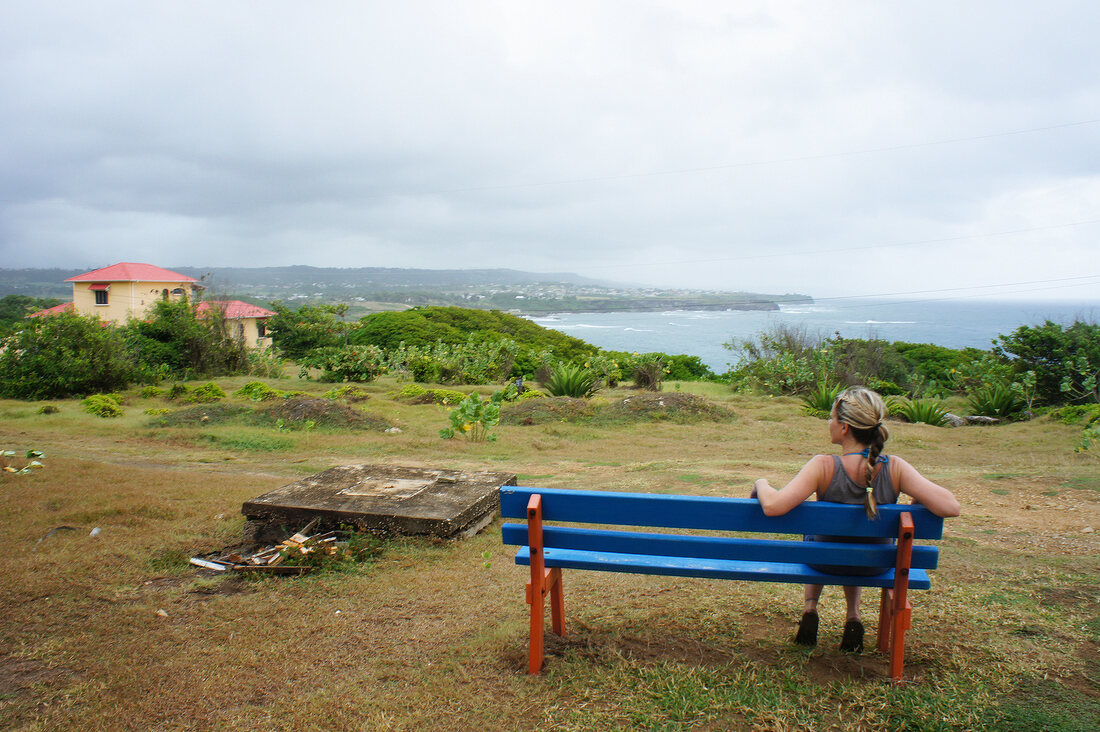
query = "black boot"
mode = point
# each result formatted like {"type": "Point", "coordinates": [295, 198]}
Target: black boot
{"type": "Point", "coordinates": [807, 630]}
{"type": "Point", "coordinates": [852, 640]}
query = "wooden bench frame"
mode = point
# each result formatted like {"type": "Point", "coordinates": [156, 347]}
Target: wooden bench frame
{"type": "Point", "coordinates": [548, 549]}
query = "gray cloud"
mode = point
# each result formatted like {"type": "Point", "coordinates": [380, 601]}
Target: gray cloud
{"type": "Point", "coordinates": [557, 136]}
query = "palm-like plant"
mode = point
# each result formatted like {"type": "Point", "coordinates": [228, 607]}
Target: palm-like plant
{"type": "Point", "coordinates": [571, 380]}
{"type": "Point", "coordinates": [928, 411]}
{"type": "Point", "coordinates": [819, 402]}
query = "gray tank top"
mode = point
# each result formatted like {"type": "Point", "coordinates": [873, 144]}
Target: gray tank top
{"type": "Point", "coordinates": [842, 489]}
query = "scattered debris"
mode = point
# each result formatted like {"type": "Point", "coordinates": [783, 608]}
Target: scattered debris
{"type": "Point", "coordinates": [162, 613]}
{"type": "Point", "coordinates": [270, 560]}
{"type": "Point", "coordinates": [51, 532]}
{"type": "Point", "coordinates": [95, 532]}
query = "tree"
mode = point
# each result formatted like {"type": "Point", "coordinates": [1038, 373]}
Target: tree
{"type": "Point", "coordinates": [297, 331]}
{"type": "Point", "coordinates": [178, 339]}
{"type": "Point", "coordinates": [1055, 354]}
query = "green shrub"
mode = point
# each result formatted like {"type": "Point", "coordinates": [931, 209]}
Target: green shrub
{"type": "Point", "coordinates": [475, 417]}
{"type": "Point", "coordinates": [819, 402]}
{"type": "Point", "coordinates": [885, 388]}
{"type": "Point", "coordinates": [206, 394]}
{"type": "Point", "coordinates": [156, 411]}
{"type": "Point", "coordinates": [266, 363]}
{"type": "Point", "coordinates": [1054, 353]}
{"type": "Point", "coordinates": [257, 391]}
{"type": "Point", "coordinates": [649, 372]}
{"type": "Point", "coordinates": [1085, 414]}
{"type": "Point", "coordinates": [996, 400]}
{"type": "Point", "coordinates": [102, 405]}
{"type": "Point", "coordinates": [347, 392]}
{"type": "Point", "coordinates": [927, 411]}
{"type": "Point", "coordinates": [182, 339]}
{"type": "Point", "coordinates": [571, 380]}
{"type": "Point", "coordinates": [177, 391]}
{"type": "Point", "coordinates": [345, 363]}
{"type": "Point", "coordinates": [61, 356]}
{"type": "Point", "coordinates": [149, 392]}
{"type": "Point", "coordinates": [530, 394]}
{"type": "Point", "coordinates": [48, 409]}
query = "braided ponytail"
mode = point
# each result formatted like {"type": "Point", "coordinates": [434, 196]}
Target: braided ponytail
{"type": "Point", "coordinates": [863, 410]}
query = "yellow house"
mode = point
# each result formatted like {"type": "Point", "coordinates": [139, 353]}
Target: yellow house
{"type": "Point", "coordinates": [128, 290]}
{"type": "Point", "coordinates": [246, 321]}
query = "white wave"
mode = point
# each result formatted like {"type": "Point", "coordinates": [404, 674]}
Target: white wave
{"type": "Point", "coordinates": [880, 322]}
{"type": "Point", "coordinates": [640, 330]}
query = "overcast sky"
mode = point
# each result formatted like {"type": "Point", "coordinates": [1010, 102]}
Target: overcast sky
{"type": "Point", "coordinates": [832, 148]}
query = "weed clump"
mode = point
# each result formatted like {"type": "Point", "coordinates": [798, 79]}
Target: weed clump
{"type": "Point", "coordinates": [148, 392]}
{"type": "Point", "coordinates": [321, 412]}
{"type": "Point", "coordinates": [207, 394]}
{"type": "Point", "coordinates": [417, 394]}
{"type": "Point", "coordinates": [257, 391]}
{"type": "Point", "coordinates": [347, 392]}
{"type": "Point", "coordinates": [48, 409]}
{"type": "Point", "coordinates": [102, 405]}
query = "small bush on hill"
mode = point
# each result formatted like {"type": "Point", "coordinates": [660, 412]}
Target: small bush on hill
{"type": "Point", "coordinates": [177, 391]}
{"type": "Point", "coordinates": [48, 409]}
{"type": "Point", "coordinates": [345, 363]}
{"type": "Point", "coordinates": [347, 392]}
{"type": "Point", "coordinates": [102, 405]}
{"type": "Point", "coordinates": [649, 372]}
{"type": "Point", "coordinates": [1054, 352]}
{"type": "Point", "coordinates": [257, 391]}
{"type": "Point", "coordinates": [149, 392]}
{"type": "Point", "coordinates": [928, 411]}
{"type": "Point", "coordinates": [207, 393]}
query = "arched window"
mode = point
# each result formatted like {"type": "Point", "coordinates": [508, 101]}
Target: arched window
{"type": "Point", "coordinates": [164, 294]}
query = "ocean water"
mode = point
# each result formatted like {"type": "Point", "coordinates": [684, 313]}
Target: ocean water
{"type": "Point", "coordinates": [950, 323]}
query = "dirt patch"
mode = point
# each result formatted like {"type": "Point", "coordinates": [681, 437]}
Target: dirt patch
{"type": "Point", "coordinates": [321, 412]}
{"type": "Point", "coordinates": [17, 675]}
{"type": "Point", "coordinates": [207, 414]}
{"type": "Point", "coordinates": [550, 409]}
{"type": "Point", "coordinates": [679, 407]}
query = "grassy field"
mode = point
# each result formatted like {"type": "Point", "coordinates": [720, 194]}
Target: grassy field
{"type": "Point", "coordinates": [433, 634]}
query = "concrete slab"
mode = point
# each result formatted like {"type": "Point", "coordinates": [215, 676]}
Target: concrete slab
{"type": "Point", "coordinates": [387, 499]}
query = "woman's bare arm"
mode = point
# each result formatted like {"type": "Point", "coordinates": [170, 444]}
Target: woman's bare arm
{"type": "Point", "coordinates": [802, 486]}
{"type": "Point", "coordinates": [935, 498]}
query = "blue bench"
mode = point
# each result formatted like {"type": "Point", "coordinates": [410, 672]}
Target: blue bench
{"type": "Point", "coordinates": [548, 549]}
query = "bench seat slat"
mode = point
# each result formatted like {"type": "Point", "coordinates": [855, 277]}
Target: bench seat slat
{"type": "Point", "coordinates": [715, 513]}
{"type": "Point", "coordinates": [720, 547]}
{"type": "Point", "coordinates": [758, 571]}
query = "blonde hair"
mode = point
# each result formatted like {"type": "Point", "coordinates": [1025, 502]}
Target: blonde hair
{"type": "Point", "coordinates": [864, 411]}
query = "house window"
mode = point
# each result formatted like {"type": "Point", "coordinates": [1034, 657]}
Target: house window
{"type": "Point", "coordinates": [164, 294]}
{"type": "Point", "coordinates": [100, 297]}
{"type": "Point", "coordinates": [261, 329]}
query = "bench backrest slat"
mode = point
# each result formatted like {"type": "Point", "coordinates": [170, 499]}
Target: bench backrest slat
{"type": "Point", "coordinates": [720, 547]}
{"type": "Point", "coordinates": [714, 513]}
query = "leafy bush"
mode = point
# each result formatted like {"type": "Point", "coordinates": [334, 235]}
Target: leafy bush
{"type": "Point", "coordinates": [996, 400]}
{"type": "Point", "coordinates": [61, 356]}
{"type": "Point", "coordinates": [819, 402]}
{"type": "Point", "coordinates": [472, 362]}
{"type": "Point", "coordinates": [1055, 353]}
{"type": "Point", "coordinates": [206, 394]}
{"type": "Point", "coordinates": [176, 339]}
{"type": "Point", "coordinates": [257, 391]}
{"type": "Point", "coordinates": [927, 411]}
{"type": "Point", "coordinates": [297, 331]}
{"type": "Point", "coordinates": [177, 391]}
{"type": "Point", "coordinates": [784, 359]}
{"type": "Point", "coordinates": [156, 411]}
{"type": "Point", "coordinates": [48, 409]}
{"type": "Point", "coordinates": [570, 380]}
{"type": "Point", "coordinates": [649, 371]}
{"type": "Point", "coordinates": [150, 392]}
{"type": "Point", "coordinates": [346, 363]}
{"type": "Point", "coordinates": [266, 363]}
{"type": "Point", "coordinates": [347, 392]}
{"type": "Point", "coordinates": [1077, 414]}
{"type": "Point", "coordinates": [102, 405]}
{"type": "Point", "coordinates": [418, 394]}
{"type": "Point", "coordinates": [530, 394]}
{"type": "Point", "coordinates": [475, 417]}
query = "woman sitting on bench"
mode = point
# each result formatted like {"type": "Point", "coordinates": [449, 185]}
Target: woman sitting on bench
{"type": "Point", "coordinates": [861, 474]}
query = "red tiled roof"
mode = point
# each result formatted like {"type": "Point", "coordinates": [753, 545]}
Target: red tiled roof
{"type": "Point", "coordinates": [235, 309]}
{"type": "Point", "coordinates": [131, 272]}
{"type": "Point", "coordinates": [64, 307]}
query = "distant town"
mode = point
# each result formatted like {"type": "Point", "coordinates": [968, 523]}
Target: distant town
{"type": "Point", "coordinates": [374, 289]}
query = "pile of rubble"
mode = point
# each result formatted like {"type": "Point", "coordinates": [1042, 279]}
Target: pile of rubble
{"type": "Point", "coordinates": [274, 559]}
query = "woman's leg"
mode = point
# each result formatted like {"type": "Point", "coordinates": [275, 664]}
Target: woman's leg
{"type": "Point", "coordinates": [812, 593]}
{"type": "Point", "coordinates": [851, 598]}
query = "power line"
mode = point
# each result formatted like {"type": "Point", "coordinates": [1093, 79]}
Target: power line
{"type": "Point", "coordinates": [757, 163]}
